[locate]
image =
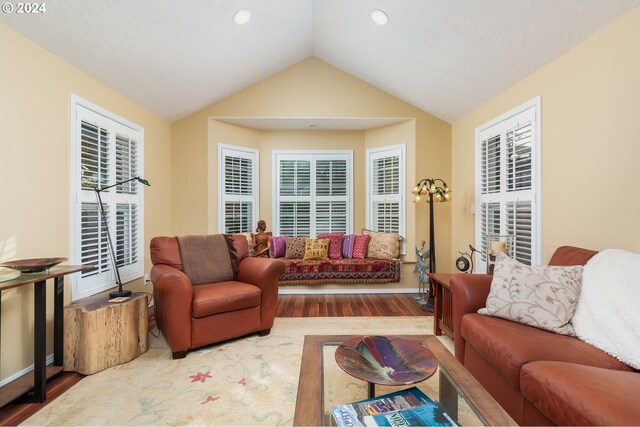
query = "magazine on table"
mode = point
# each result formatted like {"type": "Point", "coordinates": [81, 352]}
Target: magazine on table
{"type": "Point", "coordinates": [371, 412]}
{"type": "Point", "coordinates": [431, 414]}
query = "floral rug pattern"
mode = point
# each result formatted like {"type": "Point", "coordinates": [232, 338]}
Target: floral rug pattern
{"type": "Point", "coordinates": [248, 381]}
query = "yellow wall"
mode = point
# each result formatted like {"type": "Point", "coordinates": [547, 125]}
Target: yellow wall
{"type": "Point", "coordinates": [35, 87]}
{"type": "Point", "coordinates": [311, 88]}
{"type": "Point", "coordinates": [590, 100]}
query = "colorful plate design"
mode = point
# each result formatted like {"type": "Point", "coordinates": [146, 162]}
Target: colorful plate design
{"type": "Point", "coordinates": [386, 360]}
{"type": "Point", "coordinates": [33, 265]}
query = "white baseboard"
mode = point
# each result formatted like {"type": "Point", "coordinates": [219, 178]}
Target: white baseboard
{"type": "Point", "coordinates": [347, 291]}
{"type": "Point", "coordinates": [24, 371]}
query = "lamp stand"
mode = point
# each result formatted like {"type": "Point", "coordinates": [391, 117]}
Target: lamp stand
{"type": "Point", "coordinates": [435, 190]}
{"type": "Point", "coordinates": [120, 292]}
{"type": "Point", "coordinates": [428, 305]}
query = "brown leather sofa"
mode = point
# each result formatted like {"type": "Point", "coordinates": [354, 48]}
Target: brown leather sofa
{"type": "Point", "coordinates": [539, 377]}
{"type": "Point", "coordinates": [194, 316]}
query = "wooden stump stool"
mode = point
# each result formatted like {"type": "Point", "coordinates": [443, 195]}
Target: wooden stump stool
{"type": "Point", "coordinates": [99, 334]}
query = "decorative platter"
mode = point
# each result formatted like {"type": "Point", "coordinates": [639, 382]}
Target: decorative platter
{"type": "Point", "coordinates": [33, 265]}
{"type": "Point", "coordinates": [386, 360]}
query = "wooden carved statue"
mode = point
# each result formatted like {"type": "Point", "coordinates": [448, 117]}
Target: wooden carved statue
{"type": "Point", "coordinates": [261, 241]}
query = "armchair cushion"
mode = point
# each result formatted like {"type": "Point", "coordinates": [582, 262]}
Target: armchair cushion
{"type": "Point", "coordinates": [221, 297]}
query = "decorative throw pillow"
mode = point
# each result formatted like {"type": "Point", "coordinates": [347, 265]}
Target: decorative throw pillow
{"type": "Point", "coordinates": [347, 245]}
{"type": "Point", "coordinates": [278, 247]}
{"type": "Point", "coordinates": [360, 243]}
{"type": "Point", "coordinates": [208, 258]}
{"type": "Point", "coordinates": [316, 248]}
{"type": "Point", "coordinates": [295, 247]}
{"type": "Point", "coordinates": [252, 251]}
{"type": "Point", "coordinates": [383, 245]}
{"type": "Point", "coordinates": [544, 297]}
{"type": "Point", "coordinates": [335, 244]}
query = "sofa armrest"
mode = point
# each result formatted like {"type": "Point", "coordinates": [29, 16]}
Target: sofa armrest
{"type": "Point", "coordinates": [263, 273]}
{"type": "Point", "coordinates": [173, 295]}
{"type": "Point", "coordinates": [470, 293]}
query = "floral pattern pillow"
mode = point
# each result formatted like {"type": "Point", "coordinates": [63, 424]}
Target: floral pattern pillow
{"type": "Point", "coordinates": [316, 248]}
{"type": "Point", "coordinates": [383, 245]}
{"type": "Point", "coordinates": [294, 247]}
{"type": "Point", "coordinates": [347, 245]}
{"type": "Point", "coordinates": [335, 244]}
{"type": "Point", "coordinates": [278, 247]}
{"type": "Point", "coordinates": [360, 243]}
{"type": "Point", "coordinates": [544, 297]}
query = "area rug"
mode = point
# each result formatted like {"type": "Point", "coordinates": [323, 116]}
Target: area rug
{"type": "Point", "coordinates": [248, 381]}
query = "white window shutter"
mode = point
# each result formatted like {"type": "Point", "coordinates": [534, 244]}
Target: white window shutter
{"type": "Point", "coordinates": [126, 164]}
{"type": "Point", "coordinates": [313, 191]}
{"type": "Point", "coordinates": [386, 217]}
{"type": "Point", "coordinates": [94, 249]}
{"type": "Point", "coordinates": [106, 149]}
{"type": "Point", "coordinates": [127, 237]}
{"type": "Point", "coordinates": [238, 188]}
{"type": "Point", "coordinates": [385, 189]}
{"type": "Point", "coordinates": [295, 219]}
{"type": "Point", "coordinates": [508, 192]}
{"type": "Point", "coordinates": [520, 223]}
{"type": "Point", "coordinates": [94, 156]}
{"type": "Point", "coordinates": [519, 157]}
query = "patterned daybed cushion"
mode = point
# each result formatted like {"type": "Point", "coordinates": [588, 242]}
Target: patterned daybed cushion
{"type": "Point", "coordinates": [343, 271]}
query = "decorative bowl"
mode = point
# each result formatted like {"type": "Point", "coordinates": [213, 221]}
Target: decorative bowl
{"type": "Point", "coordinates": [386, 360]}
{"type": "Point", "coordinates": [33, 265]}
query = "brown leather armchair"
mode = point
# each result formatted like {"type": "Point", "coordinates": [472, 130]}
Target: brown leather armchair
{"type": "Point", "coordinates": [193, 316]}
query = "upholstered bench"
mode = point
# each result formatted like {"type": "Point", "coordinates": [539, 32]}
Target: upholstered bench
{"type": "Point", "coordinates": [340, 271]}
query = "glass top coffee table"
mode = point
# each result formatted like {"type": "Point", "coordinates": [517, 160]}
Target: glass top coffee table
{"type": "Point", "coordinates": [323, 384]}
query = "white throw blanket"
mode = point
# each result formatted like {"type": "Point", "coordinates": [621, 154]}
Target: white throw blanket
{"type": "Point", "coordinates": [607, 315]}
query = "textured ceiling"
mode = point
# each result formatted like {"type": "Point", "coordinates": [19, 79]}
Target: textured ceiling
{"type": "Point", "coordinates": [445, 57]}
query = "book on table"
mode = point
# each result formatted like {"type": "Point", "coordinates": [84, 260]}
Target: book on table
{"type": "Point", "coordinates": [410, 407]}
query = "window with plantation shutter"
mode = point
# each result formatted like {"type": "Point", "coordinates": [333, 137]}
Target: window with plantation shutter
{"type": "Point", "coordinates": [385, 189]}
{"type": "Point", "coordinates": [105, 149]}
{"type": "Point", "coordinates": [313, 192]}
{"type": "Point", "coordinates": [237, 189]}
{"type": "Point", "coordinates": [508, 191]}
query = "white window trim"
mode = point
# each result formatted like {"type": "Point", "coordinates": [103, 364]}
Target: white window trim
{"type": "Point", "coordinates": [256, 180]}
{"type": "Point", "coordinates": [74, 188]}
{"type": "Point", "coordinates": [275, 154]}
{"type": "Point", "coordinates": [403, 184]}
{"type": "Point", "coordinates": [537, 170]}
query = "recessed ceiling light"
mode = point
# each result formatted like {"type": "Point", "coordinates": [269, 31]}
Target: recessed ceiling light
{"type": "Point", "coordinates": [242, 16]}
{"type": "Point", "coordinates": [379, 17]}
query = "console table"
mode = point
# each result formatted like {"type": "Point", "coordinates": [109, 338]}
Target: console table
{"type": "Point", "coordinates": [41, 373]}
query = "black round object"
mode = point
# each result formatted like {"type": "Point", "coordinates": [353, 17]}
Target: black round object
{"type": "Point", "coordinates": [462, 264]}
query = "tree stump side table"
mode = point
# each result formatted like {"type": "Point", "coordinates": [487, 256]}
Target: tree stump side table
{"type": "Point", "coordinates": [99, 334]}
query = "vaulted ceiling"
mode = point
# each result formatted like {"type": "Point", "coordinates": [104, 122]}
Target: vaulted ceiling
{"type": "Point", "coordinates": [444, 56]}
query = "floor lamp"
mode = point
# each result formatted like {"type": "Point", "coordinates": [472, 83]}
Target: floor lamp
{"type": "Point", "coordinates": [120, 292]}
{"type": "Point", "coordinates": [432, 190]}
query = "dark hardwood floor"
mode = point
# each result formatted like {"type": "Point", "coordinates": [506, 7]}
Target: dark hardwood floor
{"type": "Point", "coordinates": [14, 413]}
{"type": "Point", "coordinates": [334, 305]}
{"type": "Point", "coordinates": [341, 305]}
